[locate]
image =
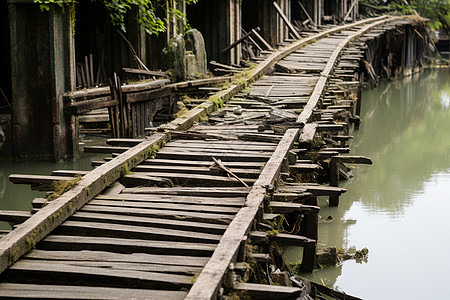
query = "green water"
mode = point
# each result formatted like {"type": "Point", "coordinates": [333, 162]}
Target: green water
{"type": "Point", "coordinates": [19, 197]}
{"type": "Point", "coordinates": [399, 207]}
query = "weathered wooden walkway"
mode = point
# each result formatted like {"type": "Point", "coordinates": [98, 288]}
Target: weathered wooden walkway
{"type": "Point", "coordinates": [171, 215]}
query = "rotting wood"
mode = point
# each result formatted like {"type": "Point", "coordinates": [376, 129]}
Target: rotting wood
{"type": "Point", "coordinates": [221, 166]}
{"type": "Point", "coordinates": [27, 234]}
{"type": "Point", "coordinates": [14, 217]}
{"type": "Point", "coordinates": [265, 291]}
{"type": "Point", "coordinates": [14, 290]}
{"type": "Point", "coordinates": [286, 21]}
{"type": "Point", "coordinates": [265, 187]}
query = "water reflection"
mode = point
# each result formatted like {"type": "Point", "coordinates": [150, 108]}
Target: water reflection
{"type": "Point", "coordinates": [398, 206]}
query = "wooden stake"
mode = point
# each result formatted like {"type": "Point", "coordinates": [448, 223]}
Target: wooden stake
{"type": "Point", "coordinates": [220, 165]}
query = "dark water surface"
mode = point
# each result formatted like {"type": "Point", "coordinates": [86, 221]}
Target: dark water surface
{"type": "Point", "coordinates": [399, 208]}
{"type": "Point", "coordinates": [19, 197]}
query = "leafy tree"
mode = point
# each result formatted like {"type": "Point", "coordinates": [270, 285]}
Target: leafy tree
{"type": "Point", "coordinates": [438, 11]}
{"type": "Point", "coordinates": [152, 23]}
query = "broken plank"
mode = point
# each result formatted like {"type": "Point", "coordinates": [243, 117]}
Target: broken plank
{"type": "Point", "coordinates": [14, 216]}
{"type": "Point", "coordinates": [230, 156]}
{"type": "Point", "coordinates": [128, 246]}
{"type": "Point", "coordinates": [41, 291]}
{"type": "Point", "coordinates": [105, 149]}
{"type": "Point", "coordinates": [87, 255]}
{"type": "Point", "coordinates": [40, 272]}
{"type": "Point", "coordinates": [166, 206]}
{"type": "Point", "coordinates": [161, 213]}
{"type": "Point", "coordinates": [36, 179]}
{"type": "Point", "coordinates": [286, 207]}
{"type": "Point", "coordinates": [193, 191]}
{"type": "Point", "coordinates": [196, 179]}
{"type": "Point", "coordinates": [250, 173]}
{"type": "Point", "coordinates": [97, 229]}
{"type": "Point", "coordinates": [176, 199]}
{"type": "Point", "coordinates": [136, 266]}
{"type": "Point", "coordinates": [261, 237]}
{"type": "Point", "coordinates": [265, 291]}
{"type": "Point", "coordinates": [148, 221]}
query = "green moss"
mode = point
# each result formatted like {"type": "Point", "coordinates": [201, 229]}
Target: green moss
{"type": "Point", "coordinates": [125, 171]}
{"type": "Point", "coordinates": [62, 186]}
{"type": "Point", "coordinates": [218, 101]}
{"type": "Point", "coordinates": [273, 232]}
{"type": "Point", "coordinates": [194, 278]}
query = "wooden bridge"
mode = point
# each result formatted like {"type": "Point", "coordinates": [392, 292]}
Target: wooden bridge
{"type": "Point", "coordinates": [179, 214]}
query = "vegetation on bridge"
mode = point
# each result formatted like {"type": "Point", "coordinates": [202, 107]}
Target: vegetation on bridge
{"type": "Point", "coordinates": [147, 11]}
{"type": "Point", "coordinates": [438, 11]}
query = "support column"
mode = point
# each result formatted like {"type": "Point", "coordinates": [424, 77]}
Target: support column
{"type": "Point", "coordinates": [42, 70]}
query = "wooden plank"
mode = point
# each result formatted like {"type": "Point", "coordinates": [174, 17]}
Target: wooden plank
{"type": "Point", "coordinates": [304, 168]}
{"type": "Point", "coordinates": [92, 229]}
{"type": "Point", "coordinates": [197, 179]}
{"type": "Point", "coordinates": [145, 72]}
{"type": "Point", "coordinates": [217, 151]}
{"type": "Point", "coordinates": [160, 213]}
{"type": "Point", "coordinates": [13, 216]}
{"type": "Point", "coordinates": [29, 233]}
{"type": "Point", "coordinates": [126, 246]}
{"type": "Point", "coordinates": [286, 21]}
{"type": "Point", "coordinates": [307, 136]}
{"type": "Point", "coordinates": [150, 222]}
{"type": "Point", "coordinates": [354, 159]}
{"type": "Point", "coordinates": [84, 106]}
{"type": "Point", "coordinates": [193, 191]}
{"type": "Point", "coordinates": [41, 291]}
{"type": "Point", "coordinates": [41, 272]}
{"type": "Point", "coordinates": [36, 179]}
{"type": "Point", "coordinates": [167, 206]}
{"type": "Point", "coordinates": [261, 237]}
{"type": "Point", "coordinates": [208, 282]}
{"type": "Point", "coordinates": [123, 142]}
{"type": "Point", "coordinates": [251, 157]}
{"type": "Point", "coordinates": [306, 114]}
{"type": "Point", "coordinates": [317, 190]}
{"type": "Point", "coordinates": [119, 266]}
{"type": "Point", "coordinates": [250, 173]}
{"type": "Point", "coordinates": [105, 149]}
{"type": "Point", "coordinates": [176, 199]}
{"type": "Point", "coordinates": [223, 146]}
{"type": "Point", "coordinates": [287, 207]}
{"type": "Point", "coordinates": [203, 163]}
{"type": "Point", "coordinates": [100, 256]}
{"type": "Point", "coordinates": [265, 291]}
{"type": "Point", "coordinates": [141, 179]}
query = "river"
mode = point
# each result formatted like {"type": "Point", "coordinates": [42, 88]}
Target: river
{"type": "Point", "coordinates": [19, 197]}
{"type": "Point", "coordinates": [399, 207]}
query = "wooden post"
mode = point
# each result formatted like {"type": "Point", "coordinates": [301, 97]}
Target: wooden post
{"type": "Point", "coordinates": [41, 41]}
{"type": "Point", "coordinates": [286, 21]}
{"type": "Point", "coordinates": [334, 180]}
{"type": "Point", "coordinates": [358, 101]}
{"type": "Point", "coordinates": [310, 229]}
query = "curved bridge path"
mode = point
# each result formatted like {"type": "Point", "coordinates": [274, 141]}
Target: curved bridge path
{"type": "Point", "coordinates": [211, 188]}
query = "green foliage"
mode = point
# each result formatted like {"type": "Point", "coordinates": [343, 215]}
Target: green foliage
{"type": "Point", "coordinates": [146, 10]}
{"type": "Point", "coordinates": [438, 11]}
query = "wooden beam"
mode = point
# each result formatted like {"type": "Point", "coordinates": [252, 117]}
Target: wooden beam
{"type": "Point", "coordinates": [145, 72]}
{"type": "Point", "coordinates": [286, 21]}
{"type": "Point", "coordinates": [13, 216]}
{"type": "Point", "coordinates": [208, 282]}
{"type": "Point", "coordinates": [265, 291]}
{"type": "Point", "coordinates": [29, 233]}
